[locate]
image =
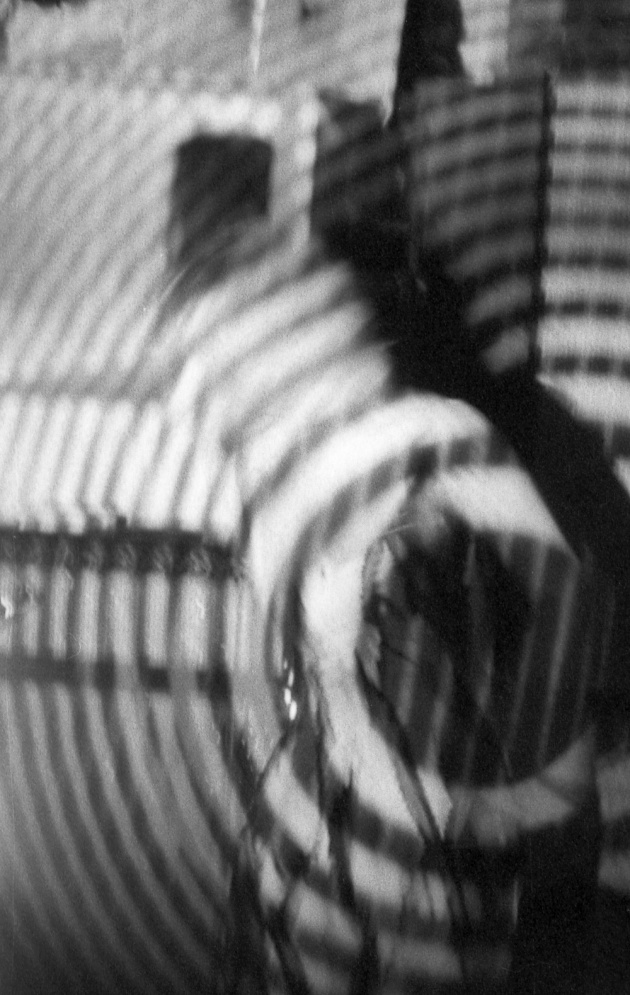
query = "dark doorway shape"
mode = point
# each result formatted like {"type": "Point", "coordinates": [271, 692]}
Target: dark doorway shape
{"type": "Point", "coordinates": [221, 187]}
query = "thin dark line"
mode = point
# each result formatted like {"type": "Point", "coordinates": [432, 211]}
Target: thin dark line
{"type": "Point", "coordinates": [542, 213]}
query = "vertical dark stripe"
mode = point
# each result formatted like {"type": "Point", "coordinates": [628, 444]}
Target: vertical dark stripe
{"type": "Point", "coordinates": [542, 214]}
{"type": "Point", "coordinates": [562, 661]}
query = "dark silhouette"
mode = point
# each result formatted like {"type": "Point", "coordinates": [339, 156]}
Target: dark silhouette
{"type": "Point", "coordinates": [221, 186]}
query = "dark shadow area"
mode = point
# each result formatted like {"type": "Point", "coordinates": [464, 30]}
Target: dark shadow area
{"type": "Point", "coordinates": [612, 959]}
{"type": "Point", "coordinates": [432, 33]}
{"type": "Point", "coordinates": [221, 190]}
{"type": "Point", "coordinates": [596, 36]}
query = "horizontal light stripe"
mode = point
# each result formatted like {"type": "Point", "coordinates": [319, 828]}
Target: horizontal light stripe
{"type": "Point", "coordinates": [584, 337]}
{"type": "Point", "coordinates": [498, 500]}
{"type": "Point", "coordinates": [603, 398]}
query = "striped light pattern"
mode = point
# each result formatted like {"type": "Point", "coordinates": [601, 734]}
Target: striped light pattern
{"type": "Point", "coordinates": [89, 243]}
{"type": "Point", "coordinates": [584, 339]}
{"type": "Point", "coordinates": [96, 628]}
{"type": "Point", "coordinates": [103, 164]}
{"type": "Point", "coordinates": [115, 870]}
{"type": "Point", "coordinates": [477, 163]}
{"type": "Point", "coordinates": [216, 406]}
{"type": "Point", "coordinates": [172, 815]}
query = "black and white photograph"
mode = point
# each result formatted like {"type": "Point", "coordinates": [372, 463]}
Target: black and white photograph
{"type": "Point", "coordinates": [314, 497]}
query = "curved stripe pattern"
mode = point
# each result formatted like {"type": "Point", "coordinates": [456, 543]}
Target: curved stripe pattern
{"type": "Point", "coordinates": [122, 895]}
{"type": "Point", "coordinates": [191, 786]}
{"type": "Point", "coordinates": [477, 168]}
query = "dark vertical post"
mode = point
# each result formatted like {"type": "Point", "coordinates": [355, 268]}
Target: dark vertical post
{"type": "Point", "coordinates": [429, 46]}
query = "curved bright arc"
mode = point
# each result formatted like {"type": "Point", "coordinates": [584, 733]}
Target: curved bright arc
{"type": "Point", "coordinates": [343, 390]}
{"type": "Point", "coordinates": [393, 431]}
